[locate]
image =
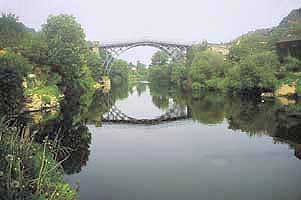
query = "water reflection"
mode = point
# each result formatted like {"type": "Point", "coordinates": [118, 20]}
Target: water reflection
{"type": "Point", "coordinates": [230, 120]}
{"type": "Point", "coordinates": [200, 158]}
{"type": "Point", "coordinates": [253, 117]}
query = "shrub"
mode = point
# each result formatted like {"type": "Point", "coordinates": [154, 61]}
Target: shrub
{"type": "Point", "coordinates": [13, 60]}
{"type": "Point", "coordinates": [11, 91]}
{"type": "Point", "coordinates": [216, 84]}
{"type": "Point", "coordinates": [254, 74]}
{"type": "Point", "coordinates": [206, 65]}
{"type": "Point", "coordinates": [293, 64]}
{"type": "Point", "coordinates": [196, 86]}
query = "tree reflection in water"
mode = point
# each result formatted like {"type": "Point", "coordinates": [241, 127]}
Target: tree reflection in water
{"type": "Point", "coordinates": [69, 127]}
{"type": "Point", "coordinates": [71, 135]}
{"type": "Point", "coordinates": [251, 116]}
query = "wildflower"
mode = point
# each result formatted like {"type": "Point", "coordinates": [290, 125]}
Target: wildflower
{"type": "Point", "coordinates": [1, 173]}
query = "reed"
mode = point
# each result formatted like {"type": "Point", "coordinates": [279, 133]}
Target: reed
{"type": "Point", "coordinates": [29, 170]}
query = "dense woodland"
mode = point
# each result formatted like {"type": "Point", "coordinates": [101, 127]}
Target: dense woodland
{"type": "Point", "coordinates": [56, 67]}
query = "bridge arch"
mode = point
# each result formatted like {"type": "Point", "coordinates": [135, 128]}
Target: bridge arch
{"type": "Point", "coordinates": [114, 50]}
{"type": "Point", "coordinates": [175, 113]}
{"type": "Point", "coordinates": [115, 115]}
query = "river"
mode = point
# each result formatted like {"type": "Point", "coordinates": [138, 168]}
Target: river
{"type": "Point", "coordinates": [225, 149]}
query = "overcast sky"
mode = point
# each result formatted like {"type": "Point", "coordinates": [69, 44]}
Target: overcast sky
{"type": "Point", "coordinates": [171, 20]}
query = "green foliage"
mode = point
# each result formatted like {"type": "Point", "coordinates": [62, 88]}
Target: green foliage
{"type": "Point", "coordinates": [292, 64]}
{"type": "Point", "coordinates": [208, 69]}
{"type": "Point", "coordinates": [94, 62]}
{"type": "Point", "coordinates": [291, 31]}
{"type": "Point", "coordinates": [196, 86]}
{"type": "Point", "coordinates": [195, 49]}
{"type": "Point", "coordinates": [216, 84]}
{"type": "Point", "coordinates": [53, 79]}
{"type": "Point", "coordinates": [11, 91]}
{"type": "Point", "coordinates": [178, 73]}
{"type": "Point", "coordinates": [35, 48]}
{"type": "Point", "coordinates": [248, 45]}
{"type": "Point", "coordinates": [206, 65]}
{"type": "Point", "coordinates": [160, 74]}
{"type": "Point", "coordinates": [254, 74]}
{"type": "Point", "coordinates": [119, 72]}
{"type": "Point", "coordinates": [141, 71]}
{"type": "Point", "coordinates": [51, 90]}
{"type": "Point", "coordinates": [298, 89]}
{"type": "Point", "coordinates": [159, 58]}
{"type": "Point", "coordinates": [66, 45]}
{"type": "Point", "coordinates": [28, 170]}
{"type": "Point", "coordinates": [46, 99]}
{"type": "Point", "coordinates": [87, 83]}
{"type": "Point", "coordinates": [12, 31]}
{"type": "Point", "coordinates": [16, 61]}
{"type": "Point", "coordinates": [289, 79]}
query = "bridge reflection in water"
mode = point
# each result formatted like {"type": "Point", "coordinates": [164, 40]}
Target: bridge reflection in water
{"type": "Point", "coordinates": [175, 113]}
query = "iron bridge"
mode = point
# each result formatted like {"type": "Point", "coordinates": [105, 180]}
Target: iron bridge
{"type": "Point", "coordinates": [175, 113]}
{"type": "Point", "coordinates": [114, 50]}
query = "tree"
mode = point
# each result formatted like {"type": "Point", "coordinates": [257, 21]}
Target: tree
{"type": "Point", "coordinates": [292, 64]}
{"type": "Point", "coordinates": [206, 65]}
{"type": "Point", "coordinates": [12, 31]}
{"type": "Point", "coordinates": [178, 73]}
{"type": "Point", "coordinates": [159, 58]}
{"type": "Point", "coordinates": [94, 63]}
{"type": "Point", "coordinates": [16, 61]}
{"type": "Point", "coordinates": [66, 45]}
{"type": "Point", "coordinates": [195, 49]}
{"type": "Point", "coordinates": [35, 48]}
{"type": "Point", "coordinates": [253, 75]}
{"type": "Point", "coordinates": [160, 74]}
{"type": "Point", "coordinates": [248, 45]}
{"type": "Point", "coordinates": [11, 91]}
{"type": "Point", "coordinates": [119, 72]}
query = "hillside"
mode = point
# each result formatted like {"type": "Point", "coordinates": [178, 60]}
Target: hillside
{"type": "Point", "coordinates": [293, 18]}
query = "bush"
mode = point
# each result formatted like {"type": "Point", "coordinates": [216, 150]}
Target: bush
{"type": "Point", "coordinates": [216, 84]}
{"type": "Point", "coordinates": [196, 86]}
{"type": "Point", "coordinates": [292, 64]}
{"type": "Point", "coordinates": [12, 31]}
{"type": "Point", "coordinates": [11, 91]}
{"type": "Point", "coordinates": [253, 75]}
{"type": "Point", "coordinates": [16, 61]}
{"type": "Point", "coordinates": [206, 65]}
{"type": "Point", "coordinates": [249, 44]}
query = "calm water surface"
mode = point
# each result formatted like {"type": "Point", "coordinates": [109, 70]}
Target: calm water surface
{"type": "Point", "coordinates": [187, 159]}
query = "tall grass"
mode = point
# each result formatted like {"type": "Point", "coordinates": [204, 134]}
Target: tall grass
{"type": "Point", "coordinates": [29, 170]}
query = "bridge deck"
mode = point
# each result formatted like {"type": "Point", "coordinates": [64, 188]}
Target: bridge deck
{"type": "Point", "coordinates": [142, 43]}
